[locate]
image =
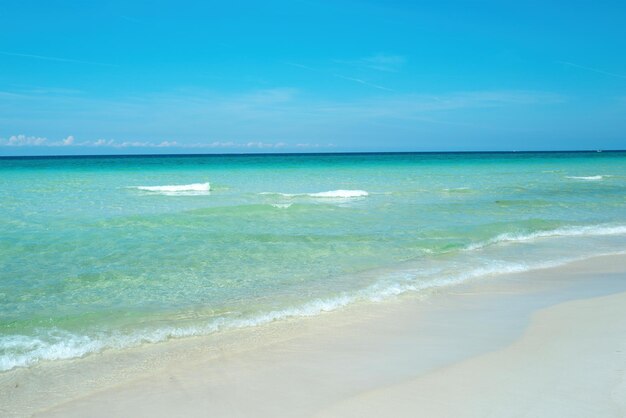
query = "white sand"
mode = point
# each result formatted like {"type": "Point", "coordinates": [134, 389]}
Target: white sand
{"type": "Point", "coordinates": [570, 363]}
{"type": "Point", "coordinates": [549, 343]}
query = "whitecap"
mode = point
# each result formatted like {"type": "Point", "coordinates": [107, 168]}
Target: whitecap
{"type": "Point", "coordinates": [587, 178]}
{"type": "Point", "coordinates": [342, 194]}
{"type": "Point", "coordinates": [178, 190]}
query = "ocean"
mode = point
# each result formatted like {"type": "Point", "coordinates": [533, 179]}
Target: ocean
{"type": "Point", "coordinates": [102, 253]}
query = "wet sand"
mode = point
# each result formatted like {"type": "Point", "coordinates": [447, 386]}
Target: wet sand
{"type": "Point", "coordinates": [549, 342]}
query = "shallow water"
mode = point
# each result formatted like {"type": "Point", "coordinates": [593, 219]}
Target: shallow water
{"type": "Point", "coordinates": [107, 252]}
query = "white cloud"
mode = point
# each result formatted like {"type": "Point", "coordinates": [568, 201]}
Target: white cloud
{"type": "Point", "coordinates": [35, 141]}
{"type": "Point", "coordinates": [249, 144]}
{"type": "Point", "coordinates": [127, 144]}
{"type": "Point", "coordinates": [23, 140]}
{"type": "Point", "coordinates": [103, 142]}
{"type": "Point", "coordinates": [272, 119]}
{"type": "Point", "coordinates": [68, 141]}
{"type": "Point", "coordinates": [168, 144]}
{"type": "Point", "coordinates": [32, 141]}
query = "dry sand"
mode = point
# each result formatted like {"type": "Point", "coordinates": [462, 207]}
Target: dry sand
{"type": "Point", "coordinates": [571, 362]}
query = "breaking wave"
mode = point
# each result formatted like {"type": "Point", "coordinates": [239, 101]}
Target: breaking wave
{"type": "Point", "coordinates": [587, 178]}
{"type": "Point", "coordinates": [56, 344]}
{"type": "Point", "coordinates": [568, 231]}
{"type": "Point", "coordinates": [24, 351]}
{"type": "Point", "coordinates": [178, 190]}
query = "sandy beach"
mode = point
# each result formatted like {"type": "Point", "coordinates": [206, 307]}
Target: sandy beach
{"type": "Point", "coordinates": [543, 343]}
{"type": "Point", "coordinates": [312, 209]}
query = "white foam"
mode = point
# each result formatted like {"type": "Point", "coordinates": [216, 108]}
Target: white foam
{"type": "Point", "coordinates": [282, 205]}
{"type": "Point", "coordinates": [458, 190]}
{"type": "Point", "coordinates": [588, 178]}
{"type": "Point", "coordinates": [24, 351]}
{"type": "Point", "coordinates": [570, 231]}
{"type": "Point", "coordinates": [342, 194]}
{"type": "Point", "coordinates": [312, 308]}
{"type": "Point", "coordinates": [175, 190]}
{"type": "Point", "coordinates": [332, 194]}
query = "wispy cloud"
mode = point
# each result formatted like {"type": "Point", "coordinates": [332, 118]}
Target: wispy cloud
{"type": "Point", "coordinates": [24, 140]}
{"type": "Point", "coordinates": [595, 70]}
{"type": "Point", "coordinates": [68, 141]}
{"type": "Point", "coordinates": [51, 91]}
{"type": "Point", "coordinates": [10, 94]}
{"type": "Point", "coordinates": [351, 79]}
{"type": "Point", "coordinates": [268, 96]}
{"type": "Point", "coordinates": [280, 118]}
{"type": "Point", "coordinates": [379, 62]}
{"type": "Point", "coordinates": [417, 106]}
{"type": "Point", "coordinates": [35, 141]}
{"type": "Point", "coordinates": [297, 65]}
{"type": "Point", "coordinates": [366, 83]}
{"type": "Point", "coordinates": [57, 59]}
{"type": "Point", "coordinates": [33, 92]}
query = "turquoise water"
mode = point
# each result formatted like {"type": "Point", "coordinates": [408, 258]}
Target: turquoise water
{"type": "Point", "coordinates": [112, 252]}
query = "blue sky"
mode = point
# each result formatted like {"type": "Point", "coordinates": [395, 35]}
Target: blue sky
{"type": "Point", "coordinates": [310, 76]}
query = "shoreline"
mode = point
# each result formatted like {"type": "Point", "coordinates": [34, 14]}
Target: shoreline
{"type": "Point", "coordinates": [552, 370]}
{"type": "Point", "coordinates": [306, 366]}
{"type": "Point", "coordinates": [378, 285]}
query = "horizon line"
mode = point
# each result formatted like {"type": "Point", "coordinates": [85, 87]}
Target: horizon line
{"type": "Point", "coordinates": [276, 154]}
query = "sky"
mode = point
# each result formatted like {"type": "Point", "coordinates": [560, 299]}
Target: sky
{"type": "Point", "coordinates": [128, 77]}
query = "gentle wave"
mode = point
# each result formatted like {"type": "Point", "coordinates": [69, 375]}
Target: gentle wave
{"type": "Point", "coordinates": [182, 189]}
{"type": "Point", "coordinates": [333, 194]}
{"type": "Point", "coordinates": [588, 178]}
{"type": "Point", "coordinates": [458, 190]}
{"type": "Point", "coordinates": [378, 293]}
{"type": "Point", "coordinates": [56, 344]}
{"type": "Point", "coordinates": [342, 194]}
{"type": "Point", "coordinates": [24, 351]}
{"type": "Point", "coordinates": [569, 231]}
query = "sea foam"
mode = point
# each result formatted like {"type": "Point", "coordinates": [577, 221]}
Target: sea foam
{"type": "Point", "coordinates": [568, 231]}
{"type": "Point", "coordinates": [177, 190]}
{"type": "Point", "coordinates": [24, 351]}
{"type": "Point", "coordinates": [332, 194]}
{"type": "Point", "coordinates": [587, 178]}
{"type": "Point", "coordinates": [342, 194]}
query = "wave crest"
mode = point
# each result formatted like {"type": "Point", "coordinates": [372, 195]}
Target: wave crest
{"type": "Point", "coordinates": [570, 231]}
{"type": "Point", "coordinates": [181, 189]}
{"type": "Point", "coordinates": [332, 194]}
{"type": "Point", "coordinates": [587, 178]}
{"type": "Point", "coordinates": [24, 351]}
